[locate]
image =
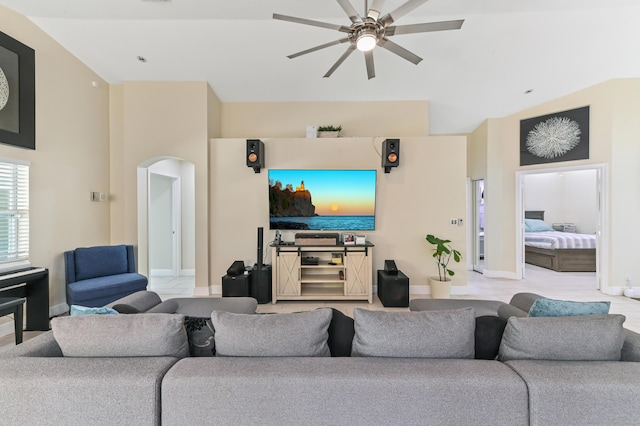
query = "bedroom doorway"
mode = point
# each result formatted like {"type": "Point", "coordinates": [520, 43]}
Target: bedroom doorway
{"type": "Point", "coordinates": [584, 203]}
{"type": "Point", "coordinates": [478, 225]}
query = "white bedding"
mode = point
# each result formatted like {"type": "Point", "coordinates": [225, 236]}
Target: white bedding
{"type": "Point", "coordinates": [559, 240]}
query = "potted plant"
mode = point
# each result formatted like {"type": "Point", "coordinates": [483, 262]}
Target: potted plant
{"type": "Point", "coordinates": [443, 253]}
{"type": "Point", "coordinates": [329, 131]}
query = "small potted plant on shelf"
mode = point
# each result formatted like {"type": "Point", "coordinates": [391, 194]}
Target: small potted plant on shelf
{"type": "Point", "coordinates": [329, 131]}
{"type": "Point", "coordinates": [442, 253]}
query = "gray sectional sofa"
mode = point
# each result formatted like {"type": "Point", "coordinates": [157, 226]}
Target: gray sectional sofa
{"type": "Point", "coordinates": [136, 369]}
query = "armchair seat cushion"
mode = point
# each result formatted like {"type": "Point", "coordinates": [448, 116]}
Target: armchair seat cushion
{"type": "Point", "coordinates": [104, 287]}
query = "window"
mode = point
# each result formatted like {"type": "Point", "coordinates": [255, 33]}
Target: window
{"type": "Point", "coordinates": [14, 212]}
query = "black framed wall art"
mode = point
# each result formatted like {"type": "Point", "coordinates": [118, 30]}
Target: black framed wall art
{"type": "Point", "coordinates": [552, 138]}
{"type": "Point", "coordinates": [17, 93]}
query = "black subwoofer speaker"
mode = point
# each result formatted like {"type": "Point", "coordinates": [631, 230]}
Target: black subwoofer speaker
{"type": "Point", "coordinates": [390, 154]}
{"type": "Point", "coordinates": [255, 154]}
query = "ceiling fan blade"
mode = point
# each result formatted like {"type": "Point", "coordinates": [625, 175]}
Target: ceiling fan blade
{"type": "Point", "coordinates": [351, 11]}
{"type": "Point", "coordinates": [368, 58]}
{"type": "Point", "coordinates": [399, 12]}
{"type": "Point", "coordinates": [374, 10]}
{"type": "Point", "coordinates": [339, 62]}
{"type": "Point", "coordinates": [304, 21]}
{"type": "Point", "coordinates": [399, 50]}
{"type": "Point", "coordinates": [424, 28]}
{"type": "Point", "coordinates": [322, 46]}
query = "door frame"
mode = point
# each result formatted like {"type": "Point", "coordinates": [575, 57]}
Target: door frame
{"type": "Point", "coordinates": [602, 247]}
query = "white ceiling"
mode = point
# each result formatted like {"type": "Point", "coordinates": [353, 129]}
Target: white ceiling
{"type": "Point", "coordinates": [504, 48]}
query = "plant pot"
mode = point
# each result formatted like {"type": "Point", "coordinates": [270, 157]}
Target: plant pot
{"type": "Point", "coordinates": [328, 134]}
{"type": "Point", "coordinates": [440, 289]}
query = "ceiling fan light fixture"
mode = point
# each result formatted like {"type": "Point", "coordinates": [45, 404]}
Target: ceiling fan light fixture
{"type": "Point", "coordinates": [366, 40]}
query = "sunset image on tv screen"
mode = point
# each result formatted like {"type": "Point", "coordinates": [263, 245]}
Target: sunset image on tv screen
{"type": "Point", "coordinates": [338, 200]}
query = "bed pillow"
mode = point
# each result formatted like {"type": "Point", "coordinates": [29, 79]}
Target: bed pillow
{"type": "Point", "coordinates": [295, 334]}
{"type": "Point", "coordinates": [416, 334]}
{"type": "Point", "coordinates": [574, 338]}
{"type": "Point", "coordinates": [537, 225]}
{"type": "Point", "coordinates": [561, 308]}
{"type": "Point", "coordinates": [121, 335]}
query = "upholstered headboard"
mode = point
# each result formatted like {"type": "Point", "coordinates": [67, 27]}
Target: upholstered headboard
{"type": "Point", "coordinates": [534, 214]}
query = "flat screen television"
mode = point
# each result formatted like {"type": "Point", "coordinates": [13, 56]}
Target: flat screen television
{"type": "Point", "coordinates": [322, 200]}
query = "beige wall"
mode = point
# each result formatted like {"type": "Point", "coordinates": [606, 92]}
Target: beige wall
{"type": "Point", "coordinates": [417, 198]}
{"type": "Point", "coordinates": [160, 120]}
{"type": "Point", "coordinates": [71, 157]}
{"type": "Point", "coordinates": [290, 119]}
{"type": "Point", "coordinates": [613, 141]}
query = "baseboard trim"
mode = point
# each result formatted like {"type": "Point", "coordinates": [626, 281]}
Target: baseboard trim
{"type": "Point", "coordinates": [421, 290]}
{"type": "Point", "coordinates": [203, 291]}
{"type": "Point", "coordinates": [187, 272]}
{"type": "Point", "coordinates": [499, 274]}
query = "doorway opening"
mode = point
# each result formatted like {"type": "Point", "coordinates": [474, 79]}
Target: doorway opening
{"type": "Point", "coordinates": [477, 198]}
{"type": "Point", "coordinates": [574, 196]}
{"type": "Point", "coordinates": [166, 222]}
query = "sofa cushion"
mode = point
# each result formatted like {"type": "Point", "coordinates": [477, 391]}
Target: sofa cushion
{"type": "Point", "coordinates": [140, 301]}
{"type": "Point", "coordinates": [98, 288]}
{"type": "Point", "coordinates": [559, 308]}
{"type": "Point", "coordinates": [100, 261]}
{"type": "Point", "coordinates": [121, 335]}
{"type": "Point", "coordinates": [572, 338]}
{"type": "Point", "coordinates": [425, 334]}
{"type": "Point", "coordinates": [294, 334]}
{"type": "Point", "coordinates": [86, 310]}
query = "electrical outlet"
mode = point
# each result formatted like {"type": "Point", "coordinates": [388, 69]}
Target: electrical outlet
{"type": "Point", "coordinates": [453, 222]}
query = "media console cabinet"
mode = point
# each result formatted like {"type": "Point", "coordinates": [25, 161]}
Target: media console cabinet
{"type": "Point", "coordinates": [322, 272]}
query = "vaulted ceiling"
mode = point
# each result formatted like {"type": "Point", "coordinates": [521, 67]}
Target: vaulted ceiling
{"type": "Point", "coordinates": [504, 49]}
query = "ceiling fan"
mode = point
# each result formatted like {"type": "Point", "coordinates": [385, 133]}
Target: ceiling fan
{"type": "Point", "coordinates": [372, 30]}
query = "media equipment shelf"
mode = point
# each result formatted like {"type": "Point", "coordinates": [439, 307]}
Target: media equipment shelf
{"type": "Point", "coordinates": [323, 280]}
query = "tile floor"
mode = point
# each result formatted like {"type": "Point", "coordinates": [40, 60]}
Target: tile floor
{"type": "Point", "coordinates": [579, 286]}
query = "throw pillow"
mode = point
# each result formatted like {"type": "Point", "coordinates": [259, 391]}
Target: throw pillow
{"type": "Point", "coordinates": [418, 334]}
{"type": "Point", "coordinates": [488, 335]}
{"type": "Point", "coordinates": [560, 308]}
{"type": "Point", "coordinates": [340, 334]}
{"type": "Point", "coordinates": [86, 310]}
{"type": "Point", "coordinates": [537, 225]}
{"type": "Point", "coordinates": [121, 335]}
{"type": "Point", "coordinates": [572, 338]}
{"type": "Point", "coordinates": [295, 334]}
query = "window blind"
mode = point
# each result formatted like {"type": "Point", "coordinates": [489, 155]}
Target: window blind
{"type": "Point", "coordinates": [14, 212]}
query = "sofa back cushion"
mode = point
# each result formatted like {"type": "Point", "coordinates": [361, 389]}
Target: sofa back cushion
{"type": "Point", "coordinates": [294, 334]}
{"type": "Point", "coordinates": [100, 261]}
{"type": "Point", "coordinates": [121, 335]}
{"type": "Point", "coordinates": [418, 334]}
{"type": "Point", "coordinates": [571, 338]}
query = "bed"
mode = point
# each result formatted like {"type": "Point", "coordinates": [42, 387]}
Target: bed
{"type": "Point", "coordinates": [559, 251]}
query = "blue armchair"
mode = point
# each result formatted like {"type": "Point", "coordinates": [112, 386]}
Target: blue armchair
{"type": "Point", "coordinates": [96, 276]}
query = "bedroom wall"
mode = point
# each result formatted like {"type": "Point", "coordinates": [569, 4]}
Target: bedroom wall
{"type": "Point", "coordinates": [414, 199]}
{"type": "Point", "coordinates": [564, 197]}
{"type": "Point", "coordinates": [71, 157]}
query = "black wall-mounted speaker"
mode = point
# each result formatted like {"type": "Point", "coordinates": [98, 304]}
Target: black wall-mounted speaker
{"type": "Point", "coordinates": [390, 154]}
{"type": "Point", "coordinates": [255, 154]}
